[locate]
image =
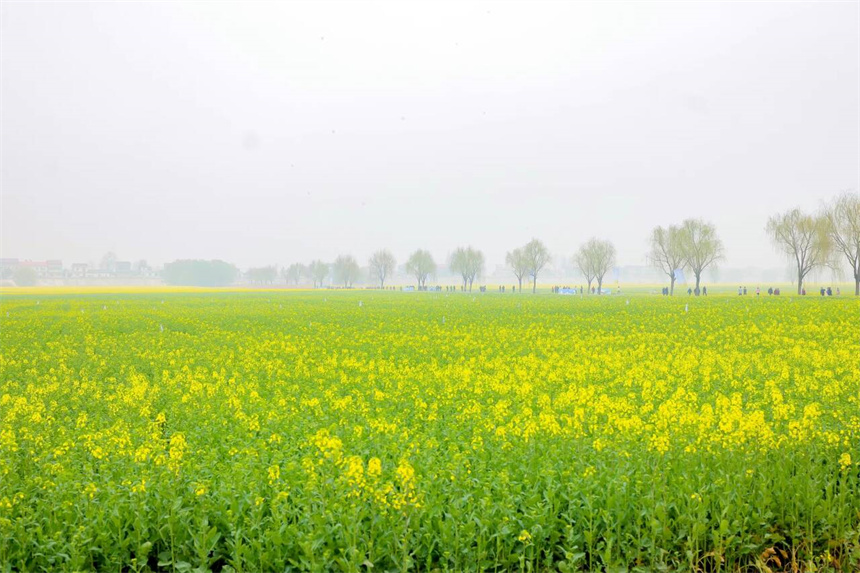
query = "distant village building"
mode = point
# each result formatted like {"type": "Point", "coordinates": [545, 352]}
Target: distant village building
{"type": "Point", "coordinates": [40, 267]}
{"type": "Point", "coordinates": [99, 273]}
{"type": "Point", "coordinates": [54, 272]}
{"type": "Point", "coordinates": [54, 269]}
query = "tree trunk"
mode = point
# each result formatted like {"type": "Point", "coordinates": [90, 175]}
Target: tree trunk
{"type": "Point", "coordinates": [698, 279]}
{"type": "Point", "coordinates": [520, 279]}
{"type": "Point", "coordinates": [534, 285]}
{"type": "Point", "coordinates": [857, 286]}
{"type": "Point", "coordinates": [599, 285]}
{"type": "Point", "coordinates": [672, 287]}
{"type": "Point", "coordinates": [589, 285]}
{"type": "Point", "coordinates": [799, 282]}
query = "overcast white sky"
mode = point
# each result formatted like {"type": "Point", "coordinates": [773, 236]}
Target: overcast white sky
{"type": "Point", "coordinates": [269, 133]}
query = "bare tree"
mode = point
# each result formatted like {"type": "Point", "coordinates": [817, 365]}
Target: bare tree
{"type": "Point", "coordinates": [537, 256]}
{"type": "Point", "coordinates": [583, 262]}
{"type": "Point", "coordinates": [843, 218]}
{"type": "Point", "coordinates": [318, 271]}
{"type": "Point", "coordinates": [700, 246]}
{"type": "Point", "coordinates": [667, 252]}
{"type": "Point", "coordinates": [382, 265]}
{"type": "Point", "coordinates": [345, 270]}
{"type": "Point", "coordinates": [802, 238]}
{"type": "Point", "coordinates": [517, 261]}
{"type": "Point", "coordinates": [594, 259]}
{"type": "Point", "coordinates": [468, 263]}
{"type": "Point", "coordinates": [421, 265]}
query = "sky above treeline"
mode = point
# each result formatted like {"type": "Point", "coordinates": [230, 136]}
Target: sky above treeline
{"type": "Point", "coordinates": [269, 133]}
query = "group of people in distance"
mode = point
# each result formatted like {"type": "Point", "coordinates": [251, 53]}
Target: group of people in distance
{"type": "Point", "coordinates": [582, 290]}
{"type": "Point", "coordinates": [558, 289]}
{"type": "Point", "coordinates": [690, 291]}
{"type": "Point", "coordinates": [742, 290]}
{"type": "Point", "coordinates": [823, 291]}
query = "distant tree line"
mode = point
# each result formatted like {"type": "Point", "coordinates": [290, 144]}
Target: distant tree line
{"type": "Point", "coordinates": [262, 275]}
{"type": "Point", "coordinates": [808, 241]}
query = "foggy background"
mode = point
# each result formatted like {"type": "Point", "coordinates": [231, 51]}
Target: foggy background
{"type": "Point", "coordinates": [274, 133]}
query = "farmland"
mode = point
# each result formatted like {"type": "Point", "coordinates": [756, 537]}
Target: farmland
{"type": "Point", "coordinates": [353, 431]}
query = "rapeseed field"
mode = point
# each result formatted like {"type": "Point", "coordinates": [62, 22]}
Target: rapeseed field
{"type": "Point", "coordinates": [360, 431]}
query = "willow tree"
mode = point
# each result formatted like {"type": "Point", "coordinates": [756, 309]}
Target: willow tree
{"type": "Point", "coordinates": [594, 259]}
{"type": "Point", "coordinates": [700, 246]}
{"type": "Point", "coordinates": [382, 265]}
{"type": "Point", "coordinates": [804, 240]}
{"type": "Point", "coordinates": [318, 271]}
{"type": "Point", "coordinates": [667, 252]}
{"type": "Point", "coordinates": [345, 270]}
{"type": "Point", "coordinates": [294, 273]}
{"type": "Point", "coordinates": [536, 256]}
{"type": "Point", "coordinates": [518, 263]}
{"type": "Point", "coordinates": [468, 263]}
{"type": "Point", "coordinates": [421, 265]}
{"type": "Point", "coordinates": [843, 218]}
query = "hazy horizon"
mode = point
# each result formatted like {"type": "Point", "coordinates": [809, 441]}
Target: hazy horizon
{"type": "Point", "coordinates": [276, 133]}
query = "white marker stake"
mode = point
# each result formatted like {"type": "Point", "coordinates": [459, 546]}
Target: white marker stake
{"type": "Point", "coordinates": [686, 308]}
{"type": "Point", "coordinates": [161, 326]}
